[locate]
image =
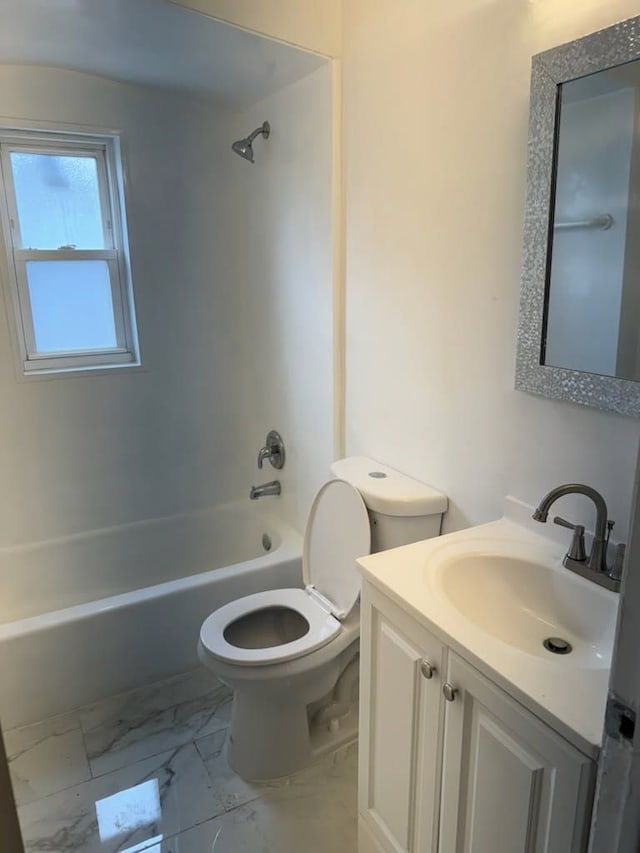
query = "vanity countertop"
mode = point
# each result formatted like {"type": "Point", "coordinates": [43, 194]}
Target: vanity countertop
{"type": "Point", "coordinates": [568, 696]}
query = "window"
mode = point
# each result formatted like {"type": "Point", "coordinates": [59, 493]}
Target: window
{"type": "Point", "coordinates": [65, 239]}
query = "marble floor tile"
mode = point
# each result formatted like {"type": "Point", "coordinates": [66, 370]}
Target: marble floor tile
{"type": "Point", "coordinates": [46, 757]}
{"type": "Point", "coordinates": [129, 809]}
{"type": "Point", "coordinates": [229, 788]}
{"type": "Point", "coordinates": [127, 728]}
{"type": "Point", "coordinates": [314, 812]}
{"type": "Point", "coordinates": [162, 783]}
{"type": "Point", "coordinates": [338, 768]}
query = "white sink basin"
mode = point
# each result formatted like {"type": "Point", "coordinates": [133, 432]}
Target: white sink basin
{"type": "Point", "coordinates": [522, 602]}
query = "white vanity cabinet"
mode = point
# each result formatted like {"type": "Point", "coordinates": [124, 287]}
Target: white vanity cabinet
{"type": "Point", "coordinates": [472, 772]}
{"type": "Point", "coordinates": [509, 782]}
{"type": "Point", "coordinates": [400, 728]}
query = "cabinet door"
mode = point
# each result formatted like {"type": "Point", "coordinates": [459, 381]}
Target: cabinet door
{"type": "Point", "coordinates": [510, 783]}
{"type": "Point", "coordinates": [400, 724]}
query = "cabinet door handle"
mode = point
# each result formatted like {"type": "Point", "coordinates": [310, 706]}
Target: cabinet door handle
{"type": "Point", "coordinates": [427, 669]}
{"type": "Point", "coordinates": [449, 691]}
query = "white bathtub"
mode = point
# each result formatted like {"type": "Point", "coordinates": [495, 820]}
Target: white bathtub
{"type": "Point", "coordinates": [91, 615]}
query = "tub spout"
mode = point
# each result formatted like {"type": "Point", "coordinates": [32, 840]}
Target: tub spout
{"type": "Point", "coordinates": [271, 488]}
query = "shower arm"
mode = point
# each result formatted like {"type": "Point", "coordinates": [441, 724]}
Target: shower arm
{"type": "Point", "coordinates": [253, 135]}
{"type": "Point", "coordinates": [263, 129]}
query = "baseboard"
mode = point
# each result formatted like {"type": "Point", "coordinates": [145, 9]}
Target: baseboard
{"type": "Point", "coordinates": [367, 842]}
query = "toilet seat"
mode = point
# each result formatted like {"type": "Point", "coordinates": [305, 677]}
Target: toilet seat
{"type": "Point", "coordinates": [322, 627]}
{"type": "Point", "coordinates": [337, 532]}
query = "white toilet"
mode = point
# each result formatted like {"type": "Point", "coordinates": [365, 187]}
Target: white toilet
{"type": "Point", "coordinates": [290, 655]}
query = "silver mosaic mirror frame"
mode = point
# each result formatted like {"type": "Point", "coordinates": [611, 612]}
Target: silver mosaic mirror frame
{"type": "Point", "coordinates": [597, 52]}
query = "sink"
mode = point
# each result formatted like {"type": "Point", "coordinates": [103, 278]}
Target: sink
{"type": "Point", "coordinates": [493, 594]}
{"type": "Point", "coordinates": [522, 601]}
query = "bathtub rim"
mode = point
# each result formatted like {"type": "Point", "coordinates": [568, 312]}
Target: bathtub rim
{"type": "Point", "coordinates": [290, 547]}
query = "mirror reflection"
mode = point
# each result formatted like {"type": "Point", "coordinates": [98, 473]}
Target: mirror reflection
{"type": "Point", "coordinates": [593, 292]}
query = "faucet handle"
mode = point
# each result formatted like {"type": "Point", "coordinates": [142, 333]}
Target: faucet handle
{"type": "Point", "coordinates": [618, 562]}
{"type": "Point", "coordinates": [562, 522]}
{"type": "Point", "coordinates": [264, 453]}
{"type": "Point", "coordinates": [273, 450]}
{"type": "Point", "coordinates": [576, 551]}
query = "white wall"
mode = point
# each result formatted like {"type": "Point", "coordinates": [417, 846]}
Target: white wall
{"type": "Point", "coordinates": [77, 453]}
{"type": "Point", "coordinates": [306, 23]}
{"type": "Point", "coordinates": [436, 109]}
{"type": "Point", "coordinates": [283, 231]}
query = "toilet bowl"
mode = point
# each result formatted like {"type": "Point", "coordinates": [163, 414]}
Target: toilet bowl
{"type": "Point", "coordinates": [286, 653]}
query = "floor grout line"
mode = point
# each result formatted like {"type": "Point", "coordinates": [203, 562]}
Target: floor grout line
{"type": "Point", "coordinates": [84, 746]}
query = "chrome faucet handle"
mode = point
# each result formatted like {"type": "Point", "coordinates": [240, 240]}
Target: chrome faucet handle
{"type": "Point", "coordinates": [615, 572]}
{"type": "Point", "coordinates": [264, 453]}
{"type": "Point", "coordinates": [273, 450]}
{"type": "Point", "coordinates": [576, 551]}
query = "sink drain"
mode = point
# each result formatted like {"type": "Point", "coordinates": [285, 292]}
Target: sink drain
{"type": "Point", "coordinates": [557, 645]}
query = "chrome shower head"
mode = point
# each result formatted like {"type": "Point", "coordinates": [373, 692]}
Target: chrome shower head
{"type": "Point", "coordinates": [244, 147]}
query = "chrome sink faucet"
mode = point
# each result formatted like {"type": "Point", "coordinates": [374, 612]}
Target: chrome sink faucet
{"type": "Point", "coordinates": [593, 567]}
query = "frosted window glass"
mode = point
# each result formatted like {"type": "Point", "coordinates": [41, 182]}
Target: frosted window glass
{"type": "Point", "coordinates": [58, 201]}
{"type": "Point", "coordinates": [71, 305]}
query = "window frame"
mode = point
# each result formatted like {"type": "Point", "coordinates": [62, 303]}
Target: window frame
{"type": "Point", "coordinates": [105, 150]}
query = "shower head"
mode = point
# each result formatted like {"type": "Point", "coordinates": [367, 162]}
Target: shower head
{"type": "Point", "coordinates": [244, 147]}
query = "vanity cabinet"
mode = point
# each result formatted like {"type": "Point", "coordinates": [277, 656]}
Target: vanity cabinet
{"type": "Point", "coordinates": [472, 770]}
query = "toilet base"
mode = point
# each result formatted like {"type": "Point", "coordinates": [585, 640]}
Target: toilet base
{"type": "Point", "coordinates": [281, 741]}
{"type": "Point", "coordinates": [272, 744]}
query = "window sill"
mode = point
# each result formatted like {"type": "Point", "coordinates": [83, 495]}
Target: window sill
{"type": "Point", "coordinates": [87, 370]}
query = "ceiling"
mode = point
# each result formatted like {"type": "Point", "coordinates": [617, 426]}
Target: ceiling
{"type": "Point", "coordinates": [150, 42]}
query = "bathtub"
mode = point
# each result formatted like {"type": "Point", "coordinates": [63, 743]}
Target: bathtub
{"type": "Point", "coordinates": [98, 613]}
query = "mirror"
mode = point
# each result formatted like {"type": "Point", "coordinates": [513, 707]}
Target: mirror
{"type": "Point", "coordinates": [592, 288]}
{"type": "Point", "coordinates": [579, 328]}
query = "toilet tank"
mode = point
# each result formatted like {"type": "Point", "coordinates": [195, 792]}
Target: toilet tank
{"type": "Point", "coordinates": [401, 509]}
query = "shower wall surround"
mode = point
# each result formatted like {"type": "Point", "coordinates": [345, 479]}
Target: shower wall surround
{"type": "Point", "coordinates": [223, 358]}
{"type": "Point", "coordinates": [283, 255]}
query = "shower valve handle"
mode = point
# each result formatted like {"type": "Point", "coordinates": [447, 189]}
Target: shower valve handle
{"type": "Point", "coordinates": [273, 450]}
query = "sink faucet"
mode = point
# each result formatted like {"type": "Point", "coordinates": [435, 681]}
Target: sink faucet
{"type": "Point", "coordinates": [594, 567]}
{"type": "Point", "coordinates": [271, 488]}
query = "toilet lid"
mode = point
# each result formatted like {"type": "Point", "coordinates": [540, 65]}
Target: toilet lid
{"type": "Point", "coordinates": [337, 533]}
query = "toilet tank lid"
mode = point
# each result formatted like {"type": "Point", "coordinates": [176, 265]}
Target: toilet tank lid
{"type": "Point", "coordinates": [388, 491]}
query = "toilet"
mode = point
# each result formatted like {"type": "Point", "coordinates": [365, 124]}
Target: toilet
{"type": "Point", "coordinates": [291, 655]}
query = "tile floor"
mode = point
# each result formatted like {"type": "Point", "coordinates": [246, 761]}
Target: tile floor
{"type": "Point", "coordinates": [146, 771]}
